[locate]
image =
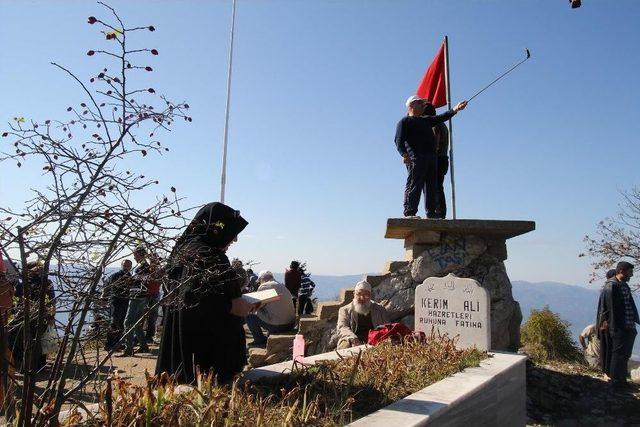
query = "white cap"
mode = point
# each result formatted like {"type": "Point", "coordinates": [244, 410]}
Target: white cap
{"type": "Point", "coordinates": [265, 274]}
{"type": "Point", "coordinates": [365, 286]}
{"type": "Point", "coordinates": [413, 98]}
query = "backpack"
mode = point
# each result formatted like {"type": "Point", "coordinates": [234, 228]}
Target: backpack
{"type": "Point", "coordinates": [395, 331]}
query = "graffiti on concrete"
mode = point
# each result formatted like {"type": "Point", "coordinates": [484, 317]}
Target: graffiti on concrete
{"type": "Point", "coordinates": [449, 254]}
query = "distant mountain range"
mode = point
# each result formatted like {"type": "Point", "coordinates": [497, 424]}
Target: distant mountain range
{"type": "Point", "coordinates": [575, 304]}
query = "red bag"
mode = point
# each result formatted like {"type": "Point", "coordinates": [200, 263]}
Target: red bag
{"type": "Point", "coordinates": [395, 331]}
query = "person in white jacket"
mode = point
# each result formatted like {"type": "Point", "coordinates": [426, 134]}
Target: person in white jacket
{"type": "Point", "coordinates": [276, 316]}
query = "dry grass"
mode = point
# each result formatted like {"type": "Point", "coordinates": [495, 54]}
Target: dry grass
{"type": "Point", "coordinates": [326, 394]}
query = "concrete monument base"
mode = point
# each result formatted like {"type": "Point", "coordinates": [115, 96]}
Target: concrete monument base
{"type": "Point", "coordinates": [468, 248]}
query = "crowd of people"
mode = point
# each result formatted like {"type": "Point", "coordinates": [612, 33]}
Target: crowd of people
{"type": "Point", "coordinates": [608, 343]}
{"type": "Point", "coordinates": [204, 311]}
{"type": "Point", "coordinates": [133, 295]}
{"type": "Point", "coordinates": [198, 290]}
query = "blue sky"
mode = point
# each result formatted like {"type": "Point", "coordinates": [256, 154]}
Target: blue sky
{"type": "Point", "coordinates": [318, 88]}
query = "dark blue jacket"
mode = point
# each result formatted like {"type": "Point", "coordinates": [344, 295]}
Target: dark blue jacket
{"type": "Point", "coordinates": [414, 135]}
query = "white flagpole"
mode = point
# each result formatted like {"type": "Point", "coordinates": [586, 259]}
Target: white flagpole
{"type": "Point", "coordinates": [448, 84]}
{"type": "Point", "coordinates": [223, 178]}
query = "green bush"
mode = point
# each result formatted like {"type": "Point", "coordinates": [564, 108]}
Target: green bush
{"type": "Point", "coordinates": [546, 337]}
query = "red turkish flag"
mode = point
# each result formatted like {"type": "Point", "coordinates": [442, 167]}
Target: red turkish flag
{"type": "Point", "coordinates": [433, 86]}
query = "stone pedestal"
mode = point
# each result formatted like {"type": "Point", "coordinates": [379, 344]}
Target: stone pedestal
{"type": "Point", "coordinates": [467, 248]}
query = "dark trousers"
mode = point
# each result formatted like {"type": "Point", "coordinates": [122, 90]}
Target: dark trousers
{"type": "Point", "coordinates": [152, 317]}
{"type": "Point", "coordinates": [119, 308]}
{"type": "Point", "coordinates": [443, 168]}
{"type": "Point", "coordinates": [118, 312]}
{"type": "Point", "coordinates": [136, 310]}
{"type": "Point", "coordinates": [304, 305]}
{"type": "Point", "coordinates": [256, 324]}
{"type": "Point", "coordinates": [422, 177]}
{"type": "Point", "coordinates": [621, 347]}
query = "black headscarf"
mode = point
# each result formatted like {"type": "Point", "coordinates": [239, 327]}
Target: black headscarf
{"type": "Point", "coordinates": [215, 224]}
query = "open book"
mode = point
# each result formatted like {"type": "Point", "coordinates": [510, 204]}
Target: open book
{"type": "Point", "coordinates": [263, 297]}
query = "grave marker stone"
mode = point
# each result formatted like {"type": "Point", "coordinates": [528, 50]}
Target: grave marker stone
{"type": "Point", "coordinates": [454, 306]}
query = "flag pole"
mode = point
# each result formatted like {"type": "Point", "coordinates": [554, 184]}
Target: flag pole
{"type": "Point", "coordinates": [448, 84]}
{"type": "Point", "coordinates": [223, 177]}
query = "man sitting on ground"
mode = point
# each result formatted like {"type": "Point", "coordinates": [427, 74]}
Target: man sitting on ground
{"type": "Point", "coordinates": [277, 316]}
{"type": "Point", "coordinates": [358, 318]}
{"type": "Point", "coordinates": [590, 345]}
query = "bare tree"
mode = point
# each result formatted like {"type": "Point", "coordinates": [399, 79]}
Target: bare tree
{"type": "Point", "coordinates": [89, 214]}
{"type": "Point", "coordinates": [616, 238]}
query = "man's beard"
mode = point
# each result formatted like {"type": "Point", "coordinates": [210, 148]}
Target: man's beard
{"type": "Point", "coordinates": [362, 308]}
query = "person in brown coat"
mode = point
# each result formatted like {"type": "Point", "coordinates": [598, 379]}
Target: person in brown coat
{"type": "Point", "coordinates": [293, 279]}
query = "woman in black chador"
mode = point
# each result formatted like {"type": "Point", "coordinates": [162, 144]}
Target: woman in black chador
{"type": "Point", "coordinates": [204, 313]}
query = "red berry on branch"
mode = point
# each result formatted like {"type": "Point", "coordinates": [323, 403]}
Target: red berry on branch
{"type": "Point", "coordinates": [101, 75]}
{"type": "Point", "coordinates": [69, 109]}
{"type": "Point", "coordinates": [148, 68]}
{"type": "Point", "coordinates": [173, 189]}
{"type": "Point", "coordinates": [154, 51]}
{"type": "Point", "coordinates": [92, 80]}
{"type": "Point", "coordinates": [91, 53]}
{"type": "Point", "coordinates": [92, 20]}
{"type": "Point", "coordinates": [5, 134]}
{"type": "Point", "coordinates": [150, 90]}
{"type": "Point", "coordinates": [152, 28]}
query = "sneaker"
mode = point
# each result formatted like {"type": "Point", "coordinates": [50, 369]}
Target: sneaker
{"type": "Point", "coordinates": [143, 349]}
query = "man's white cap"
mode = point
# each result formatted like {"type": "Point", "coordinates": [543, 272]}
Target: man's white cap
{"type": "Point", "coordinates": [413, 98]}
{"type": "Point", "coordinates": [265, 274]}
{"type": "Point", "coordinates": [365, 286]}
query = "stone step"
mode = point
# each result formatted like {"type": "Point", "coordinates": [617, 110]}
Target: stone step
{"type": "Point", "coordinates": [328, 309]}
{"type": "Point", "coordinates": [307, 324]}
{"type": "Point", "coordinates": [257, 356]}
{"type": "Point", "coordinates": [346, 295]}
{"type": "Point", "coordinates": [393, 266]}
{"type": "Point", "coordinates": [375, 279]}
{"type": "Point", "coordinates": [277, 343]}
